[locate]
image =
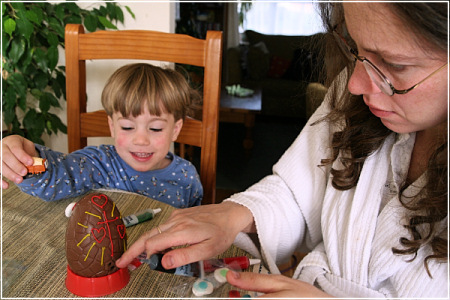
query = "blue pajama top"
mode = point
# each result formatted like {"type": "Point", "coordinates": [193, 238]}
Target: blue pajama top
{"type": "Point", "coordinates": [74, 174]}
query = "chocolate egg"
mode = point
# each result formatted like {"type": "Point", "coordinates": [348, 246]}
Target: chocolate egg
{"type": "Point", "coordinates": [95, 236]}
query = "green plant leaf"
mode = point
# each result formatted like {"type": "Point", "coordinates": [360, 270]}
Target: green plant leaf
{"type": "Point", "coordinates": [130, 11]}
{"type": "Point", "coordinates": [38, 12]}
{"type": "Point", "coordinates": [111, 10]}
{"type": "Point", "coordinates": [9, 26]}
{"type": "Point", "coordinates": [9, 101]}
{"type": "Point", "coordinates": [41, 81]}
{"type": "Point", "coordinates": [25, 61]}
{"type": "Point", "coordinates": [5, 43]}
{"type": "Point", "coordinates": [49, 126]}
{"type": "Point", "coordinates": [24, 27]}
{"type": "Point", "coordinates": [72, 19]}
{"type": "Point", "coordinates": [9, 115]}
{"type": "Point", "coordinates": [106, 22]}
{"type": "Point", "coordinates": [103, 11]}
{"type": "Point", "coordinates": [17, 82]}
{"type": "Point", "coordinates": [18, 5]}
{"type": "Point", "coordinates": [34, 123]}
{"type": "Point", "coordinates": [32, 16]}
{"type": "Point", "coordinates": [44, 104]}
{"type": "Point", "coordinates": [73, 8]}
{"type": "Point", "coordinates": [50, 98]}
{"type": "Point", "coordinates": [59, 11]}
{"type": "Point", "coordinates": [37, 93]}
{"type": "Point", "coordinates": [119, 14]}
{"type": "Point", "coordinates": [31, 35]}
{"type": "Point", "coordinates": [52, 57]}
{"type": "Point", "coordinates": [52, 39]}
{"type": "Point", "coordinates": [30, 118]}
{"type": "Point", "coordinates": [56, 25]}
{"type": "Point", "coordinates": [17, 50]}
{"type": "Point", "coordinates": [59, 84]}
{"type": "Point", "coordinates": [41, 59]}
{"type": "Point", "coordinates": [57, 124]}
{"type": "Point", "coordinates": [57, 88]}
{"type": "Point", "coordinates": [90, 22]}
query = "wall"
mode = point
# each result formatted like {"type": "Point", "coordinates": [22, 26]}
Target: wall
{"type": "Point", "coordinates": [159, 16]}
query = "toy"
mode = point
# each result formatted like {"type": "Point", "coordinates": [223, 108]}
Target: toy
{"type": "Point", "coordinates": [39, 166]}
{"type": "Point", "coordinates": [195, 269]}
{"type": "Point", "coordinates": [202, 288]}
{"type": "Point", "coordinates": [95, 239]}
{"type": "Point", "coordinates": [140, 217]}
{"type": "Point", "coordinates": [221, 275]}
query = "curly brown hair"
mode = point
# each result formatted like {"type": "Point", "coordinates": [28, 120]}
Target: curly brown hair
{"type": "Point", "coordinates": [364, 133]}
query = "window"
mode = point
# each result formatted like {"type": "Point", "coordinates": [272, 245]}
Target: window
{"type": "Point", "coordinates": [283, 17]}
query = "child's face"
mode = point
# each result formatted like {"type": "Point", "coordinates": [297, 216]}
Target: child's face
{"type": "Point", "coordinates": [144, 141]}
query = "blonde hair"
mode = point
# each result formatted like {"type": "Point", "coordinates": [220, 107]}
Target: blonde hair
{"type": "Point", "coordinates": [162, 90]}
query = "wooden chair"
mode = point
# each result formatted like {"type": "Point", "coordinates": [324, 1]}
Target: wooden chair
{"type": "Point", "coordinates": [146, 45]}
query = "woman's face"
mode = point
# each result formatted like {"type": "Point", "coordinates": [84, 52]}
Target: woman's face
{"type": "Point", "coordinates": [390, 46]}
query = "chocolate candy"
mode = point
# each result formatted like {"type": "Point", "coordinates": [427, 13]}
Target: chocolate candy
{"type": "Point", "coordinates": [95, 236]}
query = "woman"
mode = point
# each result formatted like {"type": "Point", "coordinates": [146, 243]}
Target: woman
{"type": "Point", "coordinates": [364, 186]}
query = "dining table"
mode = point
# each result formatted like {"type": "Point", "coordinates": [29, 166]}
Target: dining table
{"type": "Point", "coordinates": [34, 263]}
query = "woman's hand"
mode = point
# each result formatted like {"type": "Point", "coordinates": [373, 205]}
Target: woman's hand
{"type": "Point", "coordinates": [208, 230]}
{"type": "Point", "coordinates": [274, 286]}
{"type": "Point", "coordinates": [17, 153]}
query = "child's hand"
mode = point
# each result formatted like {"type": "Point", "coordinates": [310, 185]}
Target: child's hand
{"type": "Point", "coordinates": [17, 153]}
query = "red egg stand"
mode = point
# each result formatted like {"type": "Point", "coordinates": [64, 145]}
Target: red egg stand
{"type": "Point", "coordinates": [96, 286]}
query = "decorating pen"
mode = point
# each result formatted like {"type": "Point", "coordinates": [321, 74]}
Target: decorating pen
{"type": "Point", "coordinates": [236, 263]}
{"type": "Point", "coordinates": [140, 217]}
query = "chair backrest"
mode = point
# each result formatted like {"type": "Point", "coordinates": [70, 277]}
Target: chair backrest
{"type": "Point", "coordinates": [155, 46]}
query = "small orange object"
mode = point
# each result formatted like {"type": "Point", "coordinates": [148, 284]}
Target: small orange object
{"type": "Point", "coordinates": [39, 166]}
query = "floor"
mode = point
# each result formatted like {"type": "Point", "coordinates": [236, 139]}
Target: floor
{"type": "Point", "coordinates": [235, 170]}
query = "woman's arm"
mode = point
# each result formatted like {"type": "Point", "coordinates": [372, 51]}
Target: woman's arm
{"type": "Point", "coordinates": [208, 230]}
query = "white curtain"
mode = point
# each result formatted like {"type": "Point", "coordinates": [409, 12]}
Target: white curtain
{"type": "Point", "coordinates": [283, 17]}
{"type": "Point", "coordinates": [232, 25]}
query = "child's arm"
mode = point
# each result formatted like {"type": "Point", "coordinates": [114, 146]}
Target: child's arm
{"type": "Point", "coordinates": [17, 153]}
{"type": "Point", "coordinates": [74, 174]}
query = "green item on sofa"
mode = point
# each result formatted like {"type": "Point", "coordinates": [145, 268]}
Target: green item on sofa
{"type": "Point", "coordinates": [237, 90]}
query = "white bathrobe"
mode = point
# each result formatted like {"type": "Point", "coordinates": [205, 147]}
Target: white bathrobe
{"type": "Point", "coordinates": [349, 234]}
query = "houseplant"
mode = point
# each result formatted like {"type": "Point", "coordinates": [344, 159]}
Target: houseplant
{"type": "Point", "coordinates": [32, 83]}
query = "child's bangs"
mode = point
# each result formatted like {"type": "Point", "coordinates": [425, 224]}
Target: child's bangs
{"type": "Point", "coordinates": [141, 91]}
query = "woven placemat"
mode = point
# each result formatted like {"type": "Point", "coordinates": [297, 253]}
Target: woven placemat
{"type": "Point", "coordinates": [33, 248]}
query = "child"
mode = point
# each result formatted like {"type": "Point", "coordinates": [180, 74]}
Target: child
{"type": "Point", "coordinates": [146, 106]}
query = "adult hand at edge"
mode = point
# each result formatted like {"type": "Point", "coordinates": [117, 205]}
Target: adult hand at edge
{"type": "Point", "coordinates": [208, 230]}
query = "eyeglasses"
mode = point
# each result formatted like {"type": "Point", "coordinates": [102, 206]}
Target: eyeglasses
{"type": "Point", "coordinates": [383, 83]}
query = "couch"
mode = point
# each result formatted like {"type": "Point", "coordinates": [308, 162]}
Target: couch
{"type": "Point", "coordinates": [281, 66]}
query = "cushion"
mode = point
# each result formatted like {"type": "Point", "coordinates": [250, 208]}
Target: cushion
{"type": "Point", "coordinates": [278, 66]}
{"type": "Point", "coordinates": [258, 61]}
{"type": "Point", "coordinates": [280, 45]}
